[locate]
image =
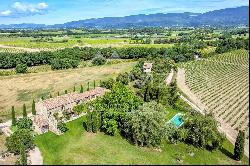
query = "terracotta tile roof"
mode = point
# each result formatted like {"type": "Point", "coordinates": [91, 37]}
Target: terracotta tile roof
{"type": "Point", "coordinates": [71, 97]}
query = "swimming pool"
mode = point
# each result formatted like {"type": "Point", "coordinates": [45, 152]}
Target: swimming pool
{"type": "Point", "coordinates": [177, 120]}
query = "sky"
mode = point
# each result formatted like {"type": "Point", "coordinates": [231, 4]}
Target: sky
{"type": "Point", "coordinates": [60, 11]}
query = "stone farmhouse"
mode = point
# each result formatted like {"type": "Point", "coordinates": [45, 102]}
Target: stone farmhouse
{"type": "Point", "coordinates": [147, 67]}
{"type": "Point", "coordinates": [45, 119]}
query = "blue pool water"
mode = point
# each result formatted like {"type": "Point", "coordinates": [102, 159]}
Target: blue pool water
{"type": "Point", "coordinates": [177, 120]}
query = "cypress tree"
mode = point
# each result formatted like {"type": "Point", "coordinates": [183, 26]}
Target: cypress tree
{"type": "Point", "coordinates": [81, 90]}
{"type": "Point", "coordinates": [74, 89]}
{"type": "Point", "coordinates": [94, 122]}
{"type": "Point", "coordinates": [100, 82]}
{"type": "Point", "coordinates": [24, 111]}
{"type": "Point", "coordinates": [50, 96]}
{"type": "Point", "coordinates": [99, 121]}
{"type": "Point", "coordinates": [65, 91]}
{"type": "Point", "coordinates": [239, 146]}
{"type": "Point", "coordinates": [23, 158]}
{"type": "Point", "coordinates": [94, 84]}
{"type": "Point", "coordinates": [42, 98]}
{"type": "Point", "coordinates": [89, 122]}
{"type": "Point", "coordinates": [33, 108]}
{"type": "Point", "coordinates": [146, 94]}
{"type": "Point", "coordinates": [58, 94]}
{"type": "Point", "coordinates": [13, 116]}
{"type": "Point", "coordinates": [88, 87]}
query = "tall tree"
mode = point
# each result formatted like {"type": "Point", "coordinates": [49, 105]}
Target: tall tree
{"type": "Point", "coordinates": [239, 146]}
{"type": "Point", "coordinates": [33, 108]}
{"type": "Point", "coordinates": [94, 84]}
{"type": "Point", "coordinates": [89, 122]}
{"type": "Point", "coordinates": [74, 89]}
{"type": "Point", "coordinates": [13, 116]}
{"type": "Point", "coordinates": [95, 125]}
{"type": "Point", "coordinates": [88, 87]}
{"type": "Point", "coordinates": [81, 90]}
{"type": "Point", "coordinates": [24, 111]}
{"type": "Point", "coordinates": [146, 94]}
{"type": "Point", "coordinates": [66, 91]}
{"type": "Point", "coordinates": [173, 92]}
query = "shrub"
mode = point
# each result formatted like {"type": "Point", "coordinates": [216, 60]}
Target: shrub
{"type": "Point", "coordinates": [239, 146]}
{"type": "Point", "coordinates": [99, 60]}
{"type": "Point", "coordinates": [78, 109]}
{"type": "Point", "coordinates": [23, 158]}
{"type": "Point", "coordinates": [24, 123]}
{"type": "Point", "coordinates": [62, 127]}
{"type": "Point", "coordinates": [21, 68]}
{"type": "Point", "coordinates": [108, 83]}
{"type": "Point", "coordinates": [123, 78]}
{"type": "Point", "coordinates": [19, 138]}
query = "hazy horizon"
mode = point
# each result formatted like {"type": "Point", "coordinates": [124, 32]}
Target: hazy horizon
{"type": "Point", "coordinates": [51, 12]}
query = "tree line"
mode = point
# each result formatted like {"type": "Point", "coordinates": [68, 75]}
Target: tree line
{"type": "Point", "coordinates": [70, 57]}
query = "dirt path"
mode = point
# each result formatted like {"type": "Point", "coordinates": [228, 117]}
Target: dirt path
{"type": "Point", "coordinates": [195, 103]}
{"type": "Point", "coordinates": [35, 157]}
{"type": "Point", "coordinates": [169, 77]}
{"type": "Point", "coordinates": [185, 89]}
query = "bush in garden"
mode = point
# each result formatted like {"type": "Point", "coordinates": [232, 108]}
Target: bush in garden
{"type": "Point", "coordinates": [239, 146]}
{"type": "Point", "coordinates": [123, 78]}
{"type": "Point", "coordinates": [19, 138]}
{"type": "Point", "coordinates": [111, 126]}
{"type": "Point", "coordinates": [21, 68]}
{"type": "Point", "coordinates": [99, 60]}
{"type": "Point", "coordinates": [62, 127]}
{"type": "Point", "coordinates": [23, 159]}
{"type": "Point", "coordinates": [78, 109]}
{"type": "Point", "coordinates": [95, 123]}
{"type": "Point", "coordinates": [108, 83]}
{"type": "Point", "coordinates": [202, 132]}
{"type": "Point", "coordinates": [24, 123]}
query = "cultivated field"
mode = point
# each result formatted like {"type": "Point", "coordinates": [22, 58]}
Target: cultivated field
{"type": "Point", "coordinates": [222, 84]}
{"type": "Point", "coordinates": [18, 89]}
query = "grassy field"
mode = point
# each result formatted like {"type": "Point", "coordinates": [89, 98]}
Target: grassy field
{"type": "Point", "coordinates": [101, 42]}
{"type": "Point", "coordinates": [79, 147]}
{"type": "Point", "coordinates": [18, 89]}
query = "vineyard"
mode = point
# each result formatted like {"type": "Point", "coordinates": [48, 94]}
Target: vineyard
{"type": "Point", "coordinates": [222, 84]}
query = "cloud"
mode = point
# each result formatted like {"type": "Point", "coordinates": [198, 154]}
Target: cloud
{"type": "Point", "coordinates": [5, 13]}
{"type": "Point", "coordinates": [25, 9]}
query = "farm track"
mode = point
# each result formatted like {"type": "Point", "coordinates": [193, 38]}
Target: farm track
{"type": "Point", "coordinates": [20, 48]}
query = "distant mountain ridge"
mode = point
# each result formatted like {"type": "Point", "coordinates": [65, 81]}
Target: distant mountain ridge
{"type": "Point", "coordinates": [223, 17]}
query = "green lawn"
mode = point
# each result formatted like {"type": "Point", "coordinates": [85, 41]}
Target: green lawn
{"type": "Point", "coordinates": [79, 147]}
